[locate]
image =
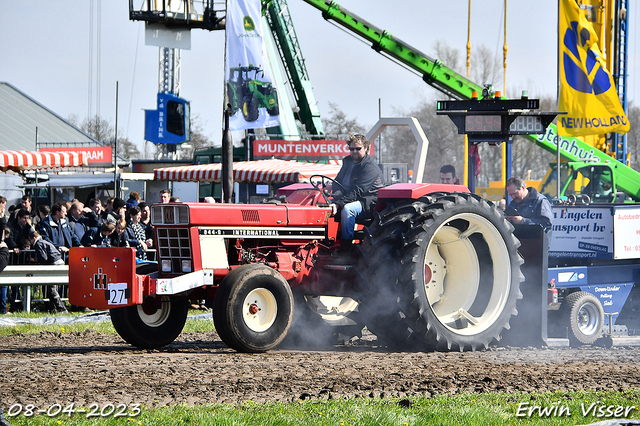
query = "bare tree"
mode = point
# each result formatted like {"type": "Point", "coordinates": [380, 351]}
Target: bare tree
{"type": "Point", "coordinates": [337, 122]}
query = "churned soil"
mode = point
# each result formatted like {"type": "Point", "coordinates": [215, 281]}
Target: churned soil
{"type": "Point", "coordinates": [90, 367]}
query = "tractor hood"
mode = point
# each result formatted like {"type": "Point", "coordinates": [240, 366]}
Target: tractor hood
{"type": "Point", "coordinates": [204, 214]}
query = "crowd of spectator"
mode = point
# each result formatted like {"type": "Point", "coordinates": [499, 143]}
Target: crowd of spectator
{"type": "Point", "coordinates": [45, 237]}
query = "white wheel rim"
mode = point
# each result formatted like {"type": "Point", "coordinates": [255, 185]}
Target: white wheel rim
{"type": "Point", "coordinates": [588, 321]}
{"type": "Point", "coordinates": [455, 282]}
{"type": "Point", "coordinates": [159, 317]}
{"type": "Point", "coordinates": [259, 309]}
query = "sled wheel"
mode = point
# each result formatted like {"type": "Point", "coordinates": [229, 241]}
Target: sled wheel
{"type": "Point", "coordinates": [584, 315]}
{"type": "Point", "coordinates": [250, 110]}
{"type": "Point", "coordinates": [443, 272]}
{"type": "Point", "coordinates": [327, 325]}
{"type": "Point", "coordinates": [253, 308]}
{"type": "Point", "coordinates": [155, 323]}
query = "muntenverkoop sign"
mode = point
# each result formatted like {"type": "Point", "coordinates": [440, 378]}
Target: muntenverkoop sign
{"type": "Point", "coordinates": [314, 150]}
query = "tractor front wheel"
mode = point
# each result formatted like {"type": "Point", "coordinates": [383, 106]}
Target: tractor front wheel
{"type": "Point", "coordinates": [582, 312]}
{"type": "Point", "coordinates": [154, 324]}
{"type": "Point", "coordinates": [443, 273]}
{"type": "Point", "coordinates": [250, 110]}
{"type": "Point", "coordinates": [253, 308]}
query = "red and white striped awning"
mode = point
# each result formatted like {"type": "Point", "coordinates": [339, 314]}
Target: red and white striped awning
{"type": "Point", "coordinates": [271, 171]}
{"type": "Point", "coordinates": [30, 160]}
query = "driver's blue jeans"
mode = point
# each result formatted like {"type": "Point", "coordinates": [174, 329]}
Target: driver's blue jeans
{"type": "Point", "coordinates": [348, 217]}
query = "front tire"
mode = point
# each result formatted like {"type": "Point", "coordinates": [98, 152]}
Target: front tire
{"type": "Point", "coordinates": [250, 110]}
{"type": "Point", "coordinates": [443, 272]}
{"type": "Point", "coordinates": [584, 315]}
{"type": "Point", "coordinates": [154, 324]}
{"type": "Point", "coordinates": [253, 308]}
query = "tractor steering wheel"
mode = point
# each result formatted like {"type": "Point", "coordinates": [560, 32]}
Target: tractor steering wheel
{"type": "Point", "coordinates": [325, 193]}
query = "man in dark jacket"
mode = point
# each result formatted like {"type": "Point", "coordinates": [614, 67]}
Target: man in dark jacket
{"type": "Point", "coordinates": [527, 207]}
{"type": "Point", "coordinates": [361, 178]}
{"type": "Point", "coordinates": [55, 229]}
{"type": "Point", "coordinates": [20, 228]}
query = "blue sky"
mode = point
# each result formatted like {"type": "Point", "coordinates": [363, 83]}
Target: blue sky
{"type": "Point", "coordinates": [44, 52]}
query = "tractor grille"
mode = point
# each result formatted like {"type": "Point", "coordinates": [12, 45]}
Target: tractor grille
{"type": "Point", "coordinates": [174, 245]}
{"type": "Point", "coordinates": [250, 216]}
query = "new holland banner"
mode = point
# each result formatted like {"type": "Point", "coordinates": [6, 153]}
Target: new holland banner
{"type": "Point", "coordinates": [587, 92]}
{"type": "Point", "coordinates": [248, 84]}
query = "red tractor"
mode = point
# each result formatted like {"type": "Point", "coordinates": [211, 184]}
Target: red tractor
{"type": "Point", "coordinates": [435, 268]}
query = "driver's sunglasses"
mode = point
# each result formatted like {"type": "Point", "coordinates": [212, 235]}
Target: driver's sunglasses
{"type": "Point", "coordinates": [357, 148]}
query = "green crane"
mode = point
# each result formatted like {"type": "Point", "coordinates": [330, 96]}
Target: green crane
{"type": "Point", "coordinates": [581, 156]}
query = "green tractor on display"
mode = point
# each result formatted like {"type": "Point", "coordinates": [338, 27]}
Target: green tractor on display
{"type": "Point", "coordinates": [247, 93]}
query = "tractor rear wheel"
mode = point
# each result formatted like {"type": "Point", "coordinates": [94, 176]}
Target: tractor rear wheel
{"type": "Point", "coordinates": [154, 324]}
{"type": "Point", "coordinates": [442, 273]}
{"type": "Point", "coordinates": [582, 312]}
{"type": "Point", "coordinates": [250, 110]}
{"type": "Point", "coordinates": [253, 308]}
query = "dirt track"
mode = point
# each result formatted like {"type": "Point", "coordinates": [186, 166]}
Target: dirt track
{"type": "Point", "coordinates": [198, 368]}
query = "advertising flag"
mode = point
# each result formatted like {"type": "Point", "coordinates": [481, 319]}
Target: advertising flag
{"type": "Point", "coordinates": [587, 92]}
{"type": "Point", "coordinates": [248, 84]}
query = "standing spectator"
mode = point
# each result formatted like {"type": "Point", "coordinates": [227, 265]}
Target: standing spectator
{"type": "Point", "coordinates": [95, 205]}
{"type": "Point", "coordinates": [48, 254]}
{"type": "Point", "coordinates": [102, 238]}
{"type": "Point", "coordinates": [527, 206]}
{"type": "Point", "coordinates": [119, 211]}
{"type": "Point", "coordinates": [4, 260]}
{"type": "Point", "coordinates": [134, 200]}
{"type": "Point", "coordinates": [448, 175]}
{"type": "Point", "coordinates": [82, 220]}
{"type": "Point", "coordinates": [165, 196]}
{"type": "Point", "coordinates": [118, 237]}
{"type": "Point", "coordinates": [145, 220]}
{"type": "Point", "coordinates": [55, 229]}
{"type": "Point", "coordinates": [19, 228]}
{"type": "Point", "coordinates": [135, 233]}
{"type": "Point", "coordinates": [3, 205]}
{"type": "Point", "coordinates": [43, 211]}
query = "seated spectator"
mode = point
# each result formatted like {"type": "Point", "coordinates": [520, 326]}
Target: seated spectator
{"type": "Point", "coordinates": [55, 229]}
{"type": "Point", "coordinates": [48, 254]}
{"type": "Point", "coordinates": [135, 233]}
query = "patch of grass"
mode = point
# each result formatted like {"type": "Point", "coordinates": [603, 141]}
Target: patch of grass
{"type": "Point", "coordinates": [464, 409]}
{"type": "Point", "coordinates": [192, 325]}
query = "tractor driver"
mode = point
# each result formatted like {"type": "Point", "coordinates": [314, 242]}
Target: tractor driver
{"type": "Point", "coordinates": [527, 207]}
{"type": "Point", "coordinates": [361, 178]}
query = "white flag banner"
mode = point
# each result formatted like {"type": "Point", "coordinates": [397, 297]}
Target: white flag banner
{"type": "Point", "coordinates": [248, 83]}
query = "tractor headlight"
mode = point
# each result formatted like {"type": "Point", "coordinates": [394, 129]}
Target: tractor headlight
{"type": "Point", "coordinates": [186, 266]}
{"type": "Point", "coordinates": [166, 265]}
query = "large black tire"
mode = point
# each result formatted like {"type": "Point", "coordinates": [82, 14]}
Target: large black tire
{"type": "Point", "coordinates": [442, 273]}
{"type": "Point", "coordinates": [152, 325]}
{"type": "Point", "coordinates": [250, 110]}
{"type": "Point", "coordinates": [253, 308]}
{"type": "Point", "coordinates": [582, 312]}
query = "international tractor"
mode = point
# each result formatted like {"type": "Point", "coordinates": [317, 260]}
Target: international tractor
{"type": "Point", "coordinates": [246, 92]}
{"type": "Point", "coordinates": [434, 267]}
